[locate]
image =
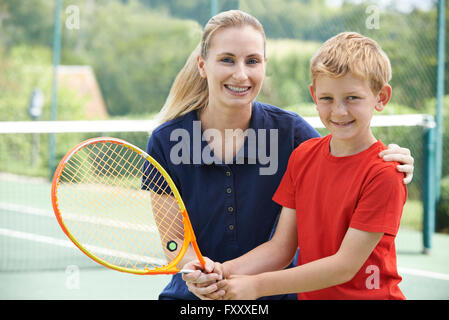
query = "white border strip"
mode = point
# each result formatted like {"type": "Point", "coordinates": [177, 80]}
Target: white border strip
{"type": "Point", "coordinates": [425, 274]}
{"type": "Point", "coordinates": [25, 209]}
{"type": "Point", "coordinates": [77, 126]}
{"type": "Point", "coordinates": [78, 217]}
{"type": "Point", "coordinates": [104, 126]}
{"type": "Point", "coordinates": [68, 244]}
{"type": "Point", "coordinates": [36, 238]}
{"type": "Point", "coordinates": [405, 120]}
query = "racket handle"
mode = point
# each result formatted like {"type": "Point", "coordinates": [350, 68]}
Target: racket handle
{"type": "Point", "coordinates": [185, 271]}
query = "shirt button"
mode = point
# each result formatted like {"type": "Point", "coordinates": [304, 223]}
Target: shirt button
{"type": "Point", "coordinates": [228, 173]}
{"type": "Point", "coordinates": [228, 190]}
{"type": "Point", "coordinates": [231, 227]}
{"type": "Point", "coordinates": [230, 209]}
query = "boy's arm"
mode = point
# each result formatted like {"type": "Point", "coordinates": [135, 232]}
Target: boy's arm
{"type": "Point", "coordinates": [319, 274]}
{"type": "Point", "coordinates": [272, 255]}
{"type": "Point", "coordinates": [275, 254]}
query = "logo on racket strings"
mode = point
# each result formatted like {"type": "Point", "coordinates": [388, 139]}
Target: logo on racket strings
{"type": "Point", "coordinates": [172, 246]}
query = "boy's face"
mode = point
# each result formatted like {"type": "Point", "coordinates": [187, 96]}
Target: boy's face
{"type": "Point", "coordinates": [346, 106]}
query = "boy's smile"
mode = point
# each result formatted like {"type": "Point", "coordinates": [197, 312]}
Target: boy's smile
{"type": "Point", "coordinates": [346, 106]}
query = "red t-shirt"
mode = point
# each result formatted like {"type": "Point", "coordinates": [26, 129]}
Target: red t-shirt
{"type": "Point", "coordinates": [331, 194]}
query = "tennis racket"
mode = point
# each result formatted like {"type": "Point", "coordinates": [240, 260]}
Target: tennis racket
{"type": "Point", "coordinates": [121, 208]}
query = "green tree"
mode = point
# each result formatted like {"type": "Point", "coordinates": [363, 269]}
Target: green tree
{"type": "Point", "coordinates": [135, 51]}
{"type": "Point", "coordinates": [198, 10]}
{"type": "Point", "coordinates": [29, 22]}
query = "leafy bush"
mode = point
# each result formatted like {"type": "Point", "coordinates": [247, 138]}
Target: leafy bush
{"type": "Point", "coordinates": [442, 212]}
{"type": "Point", "coordinates": [135, 53]}
{"type": "Point", "coordinates": [21, 70]}
{"type": "Point", "coordinates": [287, 76]}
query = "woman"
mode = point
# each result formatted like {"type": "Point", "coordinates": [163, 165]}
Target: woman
{"type": "Point", "coordinates": [225, 151]}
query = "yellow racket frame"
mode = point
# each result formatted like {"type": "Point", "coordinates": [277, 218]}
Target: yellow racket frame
{"type": "Point", "coordinates": [189, 235]}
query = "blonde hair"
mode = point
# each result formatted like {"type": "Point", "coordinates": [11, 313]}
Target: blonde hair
{"type": "Point", "coordinates": [352, 52]}
{"type": "Point", "coordinates": [189, 90]}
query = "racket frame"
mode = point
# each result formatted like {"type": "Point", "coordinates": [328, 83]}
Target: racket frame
{"type": "Point", "coordinates": [189, 237]}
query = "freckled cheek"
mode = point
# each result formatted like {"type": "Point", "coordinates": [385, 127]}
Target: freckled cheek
{"type": "Point", "coordinates": [323, 111]}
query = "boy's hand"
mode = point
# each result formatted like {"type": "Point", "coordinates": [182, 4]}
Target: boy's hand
{"type": "Point", "coordinates": [403, 156]}
{"type": "Point", "coordinates": [239, 288]}
{"type": "Point", "coordinates": [203, 283]}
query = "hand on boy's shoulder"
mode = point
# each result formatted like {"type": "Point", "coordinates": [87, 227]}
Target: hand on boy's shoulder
{"type": "Point", "coordinates": [384, 179]}
{"type": "Point", "coordinates": [389, 168]}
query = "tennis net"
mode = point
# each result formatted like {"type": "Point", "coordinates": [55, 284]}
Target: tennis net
{"type": "Point", "coordinates": [30, 237]}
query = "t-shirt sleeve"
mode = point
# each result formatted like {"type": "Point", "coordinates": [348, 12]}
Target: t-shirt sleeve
{"type": "Point", "coordinates": [285, 193]}
{"type": "Point", "coordinates": [381, 203]}
{"type": "Point", "coordinates": [152, 179]}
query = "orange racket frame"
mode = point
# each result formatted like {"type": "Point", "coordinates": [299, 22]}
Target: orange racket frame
{"type": "Point", "coordinates": [189, 235]}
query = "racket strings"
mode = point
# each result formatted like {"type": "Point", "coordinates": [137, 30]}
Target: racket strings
{"type": "Point", "coordinates": [165, 231]}
{"type": "Point", "coordinates": [107, 236]}
{"type": "Point", "coordinates": [75, 169]}
{"type": "Point", "coordinates": [101, 169]}
{"type": "Point", "coordinates": [80, 165]}
{"type": "Point", "coordinates": [116, 173]}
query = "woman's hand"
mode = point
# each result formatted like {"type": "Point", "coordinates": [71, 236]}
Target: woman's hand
{"type": "Point", "coordinates": [401, 155]}
{"type": "Point", "coordinates": [203, 282]}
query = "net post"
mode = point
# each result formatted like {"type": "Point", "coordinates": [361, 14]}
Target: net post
{"type": "Point", "coordinates": [213, 7]}
{"type": "Point", "coordinates": [440, 95]}
{"type": "Point", "coordinates": [429, 177]}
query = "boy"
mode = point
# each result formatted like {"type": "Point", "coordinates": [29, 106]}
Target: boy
{"type": "Point", "coordinates": [341, 203]}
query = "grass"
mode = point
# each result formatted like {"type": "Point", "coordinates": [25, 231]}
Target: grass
{"type": "Point", "coordinates": [412, 216]}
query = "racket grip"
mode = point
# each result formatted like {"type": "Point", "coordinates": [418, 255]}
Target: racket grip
{"type": "Point", "coordinates": [186, 271]}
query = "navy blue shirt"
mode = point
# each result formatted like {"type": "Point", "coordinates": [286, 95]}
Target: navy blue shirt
{"type": "Point", "coordinates": [229, 204]}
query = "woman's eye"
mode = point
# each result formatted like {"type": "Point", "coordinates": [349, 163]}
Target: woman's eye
{"type": "Point", "coordinates": [353, 98]}
{"type": "Point", "coordinates": [226, 60]}
{"type": "Point", "coordinates": [253, 61]}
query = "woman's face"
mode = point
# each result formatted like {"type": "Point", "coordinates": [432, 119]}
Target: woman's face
{"type": "Point", "coordinates": [234, 67]}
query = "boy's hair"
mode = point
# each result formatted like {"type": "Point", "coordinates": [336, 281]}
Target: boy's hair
{"type": "Point", "coordinates": [352, 52]}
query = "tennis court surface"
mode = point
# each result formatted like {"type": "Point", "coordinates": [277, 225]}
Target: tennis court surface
{"type": "Point", "coordinates": [37, 261]}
